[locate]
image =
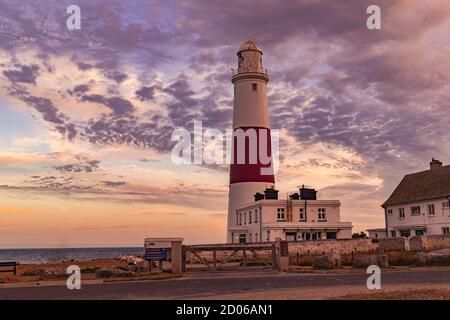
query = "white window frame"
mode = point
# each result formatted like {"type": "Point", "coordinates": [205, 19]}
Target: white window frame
{"type": "Point", "coordinates": [281, 214]}
{"type": "Point", "coordinates": [431, 212]}
{"type": "Point", "coordinates": [401, 213]}
{"type": "Point", "coordinates": [302, 215]}
{"type": "Point", "coordinates": [445, 205]}
{"type": "Point", "coordinates": [323, 212]}
{"type": "Point", "coordinates": [417, 213]}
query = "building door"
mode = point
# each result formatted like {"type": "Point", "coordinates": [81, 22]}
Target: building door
{"type": "Point", "coordinates": [420, 232]}
{"type": "Point", "coordinates": [242, 238]}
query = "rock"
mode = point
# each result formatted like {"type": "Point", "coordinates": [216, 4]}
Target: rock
{"type": "Point", "coordinates": [380, 260]}
{"type": "Point", "coordinates": [327, 261]}
{"type": "Point", "coordinates": [132, 268]}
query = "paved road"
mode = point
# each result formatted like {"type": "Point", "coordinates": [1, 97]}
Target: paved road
{"type": "Point", "coordinates": [210, 284]}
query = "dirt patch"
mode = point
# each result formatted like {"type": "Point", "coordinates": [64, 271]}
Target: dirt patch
{"type": "Point", "coordinates": [405, 294]}
{"type": "Point", "coordinates": [29, 273]}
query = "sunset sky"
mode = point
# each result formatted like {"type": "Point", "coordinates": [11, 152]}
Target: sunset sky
{"type": "Point", "coordinates": [86, 115]}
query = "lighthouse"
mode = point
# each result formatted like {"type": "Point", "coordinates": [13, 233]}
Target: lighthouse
{"type": "Point", "coordinates": [249, 172]}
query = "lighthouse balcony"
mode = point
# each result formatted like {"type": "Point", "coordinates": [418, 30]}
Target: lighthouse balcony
{"type": "Point", "coordinates": [249, 70]}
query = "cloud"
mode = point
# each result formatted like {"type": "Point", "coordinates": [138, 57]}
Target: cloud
{"type": "Point", "coordinates": [116, 104]}
{"type": "Point", "coordinates": [114, 183]}
{"type": "Point", "coordinates": [88, 167]}
{"type": "Point", "coordinates": [25, 74]}
{"type": "Point", "coordinates": [146, 93]}
{"type": "Point", "coordinates": [383, 96]}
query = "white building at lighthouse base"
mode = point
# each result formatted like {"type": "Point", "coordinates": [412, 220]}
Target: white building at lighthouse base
{"type": "Point", "coordinates": [292, 219]}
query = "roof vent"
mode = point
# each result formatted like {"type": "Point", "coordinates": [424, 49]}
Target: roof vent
{"type": "Point", "coordinates": [271, 193]}
{"type": "Point", "coordinates": [259, 196]}
{"type": "Point", "coordinates": [434, 164]}
{"type": "Point", "coordinates": [308, 193]}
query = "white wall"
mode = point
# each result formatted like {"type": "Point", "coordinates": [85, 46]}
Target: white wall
{"type": "Point", "coordinates": [433, 224]}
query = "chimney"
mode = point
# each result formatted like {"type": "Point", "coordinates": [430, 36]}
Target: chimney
{"type": "Point", "coordinates": [434, 164]}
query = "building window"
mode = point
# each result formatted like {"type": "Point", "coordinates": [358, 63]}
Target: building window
{"type": "Point", "coordinates": [445, 205]}
{"type": "Point", "coordinates": [280, 214]}
{"type": "Point", "coordinates": [240, 60]}
{"type": "Point", "coordinates": [302, 214]}
{"type": "Point", "coordinates": [237, 218]}
{"type": "Point", "coordinates": [256, 237]}
{"type": "Point", "coordinates": [291, 236]}
{"type": "Point", "coordinates": [389, 212]}
{"type": "Point", "coordinates": [401, 213]}
{"type": "Point", "coordinates": [254, 86]}
{"type": "Point", "coordinates": [250, 217]}
{"type": "Point", "coordinates": [322, 215]}
{"type": "Point", "coordinates": [250, 238]}
{"type": "Point", "coordinates": [240, 218]}
{"type": "Point", "coordinates": [446, 231]}
{"type": "Point", "coordinates": [256, 216]}
{"type": "Point", "coordinates": [268, 236]}
{"type": "Point", "coordinates": [393, 234]}
{"type": "Point", "coordinates": [415, 210]}
{"type": "Point", "coordinates": [245, 218]}
{"type": "Point", "coordinates": [431, 211]}
{"type": "Point", "coordinates": [405, 233]}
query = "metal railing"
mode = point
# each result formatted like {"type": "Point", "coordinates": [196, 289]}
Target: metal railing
{"type": "Point", "coordinates": [248, 69]}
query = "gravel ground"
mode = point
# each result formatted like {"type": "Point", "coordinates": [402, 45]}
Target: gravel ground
{"type": "Point", "coordinates": [391, 292]}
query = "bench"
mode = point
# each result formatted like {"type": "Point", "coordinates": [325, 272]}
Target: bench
{"type": "Point", "coordinates": [12, 267]}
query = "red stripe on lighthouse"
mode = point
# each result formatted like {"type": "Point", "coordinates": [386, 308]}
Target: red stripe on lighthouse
{"type": "Point", "coordinates": [249, 171]}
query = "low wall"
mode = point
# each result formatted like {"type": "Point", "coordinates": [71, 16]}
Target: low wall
{"type": "Point", "coordinates": [429, 243]}
{"type": "Point", "coordinates": [394, 244]}
{"type": "Point", "coordinates": [341, 246]}
{"type": "Point", "coordinates": [312, 247]}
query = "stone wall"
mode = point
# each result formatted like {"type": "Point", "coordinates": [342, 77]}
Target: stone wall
{"type": "Point", "coordinates": [341, 246]}
{"type": "Point", "coordinates": [312, 247]}
{"type": "Point", "coordinates": [394, 244]}
{"type": "Point", "coordinates": [429, 243]}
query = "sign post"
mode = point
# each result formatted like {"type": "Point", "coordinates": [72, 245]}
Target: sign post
{"type": "Point", "coordinates": [165, 249]}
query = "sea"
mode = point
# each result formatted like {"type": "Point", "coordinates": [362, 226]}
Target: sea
{"type": "Point", "coordinates": [54, 255]}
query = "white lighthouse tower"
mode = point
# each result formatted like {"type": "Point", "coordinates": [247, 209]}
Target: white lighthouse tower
{"type": "Point", "coordinates": [250, 114]}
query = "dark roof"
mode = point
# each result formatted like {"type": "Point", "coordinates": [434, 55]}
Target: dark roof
{"type": "Point", "coordinates": [420, 186]}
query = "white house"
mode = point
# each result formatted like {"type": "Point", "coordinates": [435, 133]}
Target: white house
{"type": "Point", "coordinates": [377, 233]}
{"type": "Point", "coordinates": [299, 217]}
{"type": "Point", "coordinates": [420, 203]}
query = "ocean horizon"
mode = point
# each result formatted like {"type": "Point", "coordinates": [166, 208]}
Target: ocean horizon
{"type": "Point", "coordinates": [54, 255]}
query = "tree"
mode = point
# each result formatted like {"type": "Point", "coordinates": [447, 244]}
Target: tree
{"type": "Point", "coordinates": [362, 234]}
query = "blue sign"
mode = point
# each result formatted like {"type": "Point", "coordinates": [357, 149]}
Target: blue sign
{"type": "Point", "coordinates": [160, 254]}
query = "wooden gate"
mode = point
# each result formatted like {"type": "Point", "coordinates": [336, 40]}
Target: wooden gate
{"type": "Point", "coordinates": [215, 263]}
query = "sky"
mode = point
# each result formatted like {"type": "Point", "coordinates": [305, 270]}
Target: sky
{"type": "Point", "coordinates": [86, 116]}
